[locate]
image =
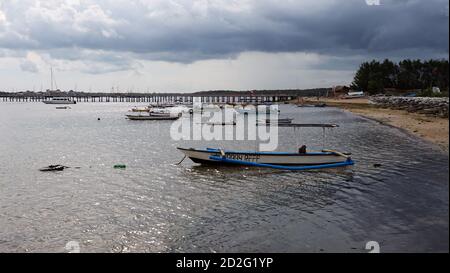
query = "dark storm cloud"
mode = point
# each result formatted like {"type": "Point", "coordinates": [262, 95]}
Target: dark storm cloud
{"type": "Point", "coordinates": [187, 31]}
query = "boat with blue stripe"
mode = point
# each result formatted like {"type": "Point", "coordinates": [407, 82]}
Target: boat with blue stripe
{"type": "Point", "coordinates": [262, 159]}
{"type": "Point", "coordinates": [299, 160]}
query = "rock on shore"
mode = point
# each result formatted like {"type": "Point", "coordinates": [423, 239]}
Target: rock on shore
{"type": "Point", "coordinates": [429, 106]}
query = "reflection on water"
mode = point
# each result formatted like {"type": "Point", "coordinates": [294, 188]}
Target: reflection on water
{"type": "Point", "coordinates": [155, 206]}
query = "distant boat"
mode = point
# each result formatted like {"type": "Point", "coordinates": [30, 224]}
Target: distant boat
{"type": "Point", "coordinates": [276, 121]}
{"type": "Point", "coordinates": [59, 100]}
{"type": "Point", "coordinates": [354, 95]}
{"type": "Point", "coordinates": [155, 115]}
{"type": "Point", "coordinates": [221, 123]}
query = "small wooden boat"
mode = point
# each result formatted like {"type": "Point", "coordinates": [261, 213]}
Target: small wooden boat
{"type": "Point", "coordinates": [300, 160]}
{"type": "Point", "coordinates": [63, 107]}
{"type": "Point", "coordinates": [212, 156]}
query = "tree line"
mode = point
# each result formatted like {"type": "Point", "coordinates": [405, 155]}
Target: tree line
{"type": "Point", "coordinates": [375, 77]}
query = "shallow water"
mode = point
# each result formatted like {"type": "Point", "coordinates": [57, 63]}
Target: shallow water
{"type": "Point", "coordinates": [155, 206]}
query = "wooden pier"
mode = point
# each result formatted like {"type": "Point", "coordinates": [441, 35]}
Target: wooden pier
{"type": "Point", "coordinates": [160, 98]}
{"type": "Point", "coordinates": [218, 97]}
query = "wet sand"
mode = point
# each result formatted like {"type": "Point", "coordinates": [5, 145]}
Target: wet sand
{"type": "Point", "coordinates": [432, 129]}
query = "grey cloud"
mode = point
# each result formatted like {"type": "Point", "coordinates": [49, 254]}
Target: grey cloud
{"type": "Point", "coordinates": [184, 31]}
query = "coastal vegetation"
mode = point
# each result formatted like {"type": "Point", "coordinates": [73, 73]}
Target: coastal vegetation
{"type": "Point", "coordinates": [377, 77]}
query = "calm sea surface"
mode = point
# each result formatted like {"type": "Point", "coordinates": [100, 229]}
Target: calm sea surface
{"type": "Point", "coordinates": [156, 206]}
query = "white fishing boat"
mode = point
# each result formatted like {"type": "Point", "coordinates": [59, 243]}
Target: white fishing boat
{"type": "Point", "coordinates": [299, 160]}
{"type": "Point", "coordinates": [59, 100]}
{"type": "Point", "coordinates": [155, 116]}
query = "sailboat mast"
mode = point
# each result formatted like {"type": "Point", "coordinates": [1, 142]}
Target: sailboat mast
{"type": "Point", "coordinates": [51, 78]}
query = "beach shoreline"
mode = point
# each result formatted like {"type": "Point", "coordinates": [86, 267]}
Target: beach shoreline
{"type": "Point", "coordinates": [432, 129]}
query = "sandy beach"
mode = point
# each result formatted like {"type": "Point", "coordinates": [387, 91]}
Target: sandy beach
{"type": "Point", "coordinates": [432, 129]}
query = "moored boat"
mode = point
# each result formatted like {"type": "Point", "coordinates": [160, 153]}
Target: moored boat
{"type": "Point", "coordinates": [221, 123]}
{"type": "Point", "coordinates": [155, 116]}
{"type": "Point", "coordinates": [299, 160]}
{"type": "Point", "coordinates": [211, 155]}
{"type": "Point", "coordinates": [277, 121]}
{"type": "Point", "coordinates": [59, 100]}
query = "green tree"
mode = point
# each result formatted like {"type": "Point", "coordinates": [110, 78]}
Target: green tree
{"type": "Point", "coordinates": [389, 71]}
{"type": "Point", "coordinates": [362, 77]}
{"type": "Point", "coordinates": [408, 74]}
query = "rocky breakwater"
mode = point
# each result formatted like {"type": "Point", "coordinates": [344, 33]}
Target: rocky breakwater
{"type": "Point", "coordinates": [429, 106]}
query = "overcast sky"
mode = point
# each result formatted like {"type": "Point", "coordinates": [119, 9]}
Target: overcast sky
{"type": "Point", "coordinates": [181, 45]}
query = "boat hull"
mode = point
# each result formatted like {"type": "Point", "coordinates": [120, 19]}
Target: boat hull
{"type": "Point", "coordinates": [284, 159]}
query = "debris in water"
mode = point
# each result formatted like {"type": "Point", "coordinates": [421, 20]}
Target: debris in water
{"type": "Point", "coordinates": [54, 168]}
